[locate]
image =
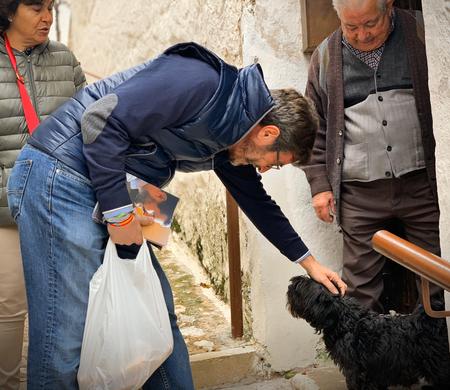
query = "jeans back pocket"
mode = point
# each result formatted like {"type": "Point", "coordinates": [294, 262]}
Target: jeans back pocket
{"type": "Point", "coordinates": [16, 186]}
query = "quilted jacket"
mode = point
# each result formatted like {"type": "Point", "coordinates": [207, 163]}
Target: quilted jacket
{"type": "Point", "coordinates": [52, 74]}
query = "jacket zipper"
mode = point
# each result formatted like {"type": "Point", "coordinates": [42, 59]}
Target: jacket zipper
{"type": "Point", "coordinates": [31, 81]}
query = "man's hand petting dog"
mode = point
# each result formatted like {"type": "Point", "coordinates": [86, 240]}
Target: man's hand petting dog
{"type": "Point", "coordinates": [324, 275]}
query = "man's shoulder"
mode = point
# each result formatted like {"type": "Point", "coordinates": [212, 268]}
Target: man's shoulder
{"type": "Point", "coordinates": [334, 39]}
{"type": "Point", "coordinates": [408, 13]}
{"type": "Point", "coordinates": [185, 71]}
{"type": "Point", "coordinates": [412, 23]}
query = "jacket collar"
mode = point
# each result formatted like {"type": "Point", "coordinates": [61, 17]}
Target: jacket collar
{"type": "Point", "coordinates": [36, 50]}
{"type": "Point", "coordinates": [242, 98]}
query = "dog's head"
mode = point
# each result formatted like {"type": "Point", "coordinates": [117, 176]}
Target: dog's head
{"type": "Point", "coordinates": [313, 302]}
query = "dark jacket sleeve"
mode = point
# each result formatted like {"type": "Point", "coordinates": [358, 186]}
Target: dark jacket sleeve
{"type": "Point", "coordinates": [316, 169]}
{"type": "Point", "coordinates": [244, 184]}
{"type": "Point", "coordinates": [168, 92]}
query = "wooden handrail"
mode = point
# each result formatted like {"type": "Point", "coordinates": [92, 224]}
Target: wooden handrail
{"type": "Point", "coordinates": [430, 267]}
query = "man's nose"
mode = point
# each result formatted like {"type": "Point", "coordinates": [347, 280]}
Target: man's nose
{"type": "Point", "coordinates": [363, 35]}
{"type": "Point", "coordinates": [47, 16]}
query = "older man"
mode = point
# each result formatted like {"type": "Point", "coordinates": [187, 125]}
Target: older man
{"type": "Point", "coordinates": [373, 159]}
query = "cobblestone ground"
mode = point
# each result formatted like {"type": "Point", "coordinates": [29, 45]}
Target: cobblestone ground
{"type": "Point", "coordinates": [202, 318]}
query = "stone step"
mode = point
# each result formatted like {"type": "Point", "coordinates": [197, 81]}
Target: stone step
{"type": "Point", "coordinates": [212, 369]}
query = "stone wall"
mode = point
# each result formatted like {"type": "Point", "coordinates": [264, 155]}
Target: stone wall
{"type": "Point", "coordinates": [200, 222]}
{"type": "Point", "coordinates": [110, 38]}
{"type": "Point", "coordinates": [272, 35]}
{"type": "Point", "coordinates": [107, 39]}
{"type": "Point", "coordinates": [109, 35]}
{"type": "Point", "coordinates": [437, 33]}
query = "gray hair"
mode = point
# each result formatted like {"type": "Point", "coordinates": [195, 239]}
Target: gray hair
{"type": "Point", "coordinates": [296, 117]}
{"type": "Point", "coordinates": [339, 4]}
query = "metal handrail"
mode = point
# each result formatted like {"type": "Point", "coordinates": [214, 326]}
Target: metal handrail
{"type": "Point", "coordinates": [429, 267]}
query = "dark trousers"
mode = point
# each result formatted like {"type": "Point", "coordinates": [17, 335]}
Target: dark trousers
{"type": "Point", "coordinates": [372, 206]}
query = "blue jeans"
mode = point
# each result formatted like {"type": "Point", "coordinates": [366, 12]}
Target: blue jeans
{"type": "Point", "coordinates": [61, 249]}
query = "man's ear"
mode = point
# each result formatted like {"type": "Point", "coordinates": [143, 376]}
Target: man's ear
{"type": "Point", "coordinates": [266, 135]}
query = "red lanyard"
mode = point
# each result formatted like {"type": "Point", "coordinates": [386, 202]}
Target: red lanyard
{"type": "Point", "coordinates": [28, 109]}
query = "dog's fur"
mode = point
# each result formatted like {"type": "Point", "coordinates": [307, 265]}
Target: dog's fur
{"type": "Point", "coordinates": [374, 351]}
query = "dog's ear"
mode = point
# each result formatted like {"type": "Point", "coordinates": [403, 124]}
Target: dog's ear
{"type": "Point", "coordinates": [296, 296]}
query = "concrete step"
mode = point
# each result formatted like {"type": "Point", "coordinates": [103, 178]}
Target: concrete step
{"type": "Point", "coordinates": [212, 369]}
{"type": "Point", "coordinates": [238, 369]}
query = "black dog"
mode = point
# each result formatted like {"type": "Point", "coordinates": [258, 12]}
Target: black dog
{"type": "Point", "coordinates": [374, 351]}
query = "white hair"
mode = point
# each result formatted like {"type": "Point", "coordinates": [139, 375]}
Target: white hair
{"type": "Point", "coordinates": [339, 4]}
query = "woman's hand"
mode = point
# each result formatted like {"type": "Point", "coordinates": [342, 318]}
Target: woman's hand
{"type": "Point", "coordinates": [324, 275]}
{"type": "Point", "coordinates": [130, 233]}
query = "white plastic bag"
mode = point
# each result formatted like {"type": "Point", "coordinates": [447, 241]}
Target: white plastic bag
{"type": "Point", "coordinates": [127, 334]}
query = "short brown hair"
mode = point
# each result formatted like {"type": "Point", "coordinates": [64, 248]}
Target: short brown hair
{"type": "Point", "coordinates": [296, 117]}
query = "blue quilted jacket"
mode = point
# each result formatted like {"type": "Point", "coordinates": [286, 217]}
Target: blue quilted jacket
{"type": "Point", "coordinates": [178, 112]}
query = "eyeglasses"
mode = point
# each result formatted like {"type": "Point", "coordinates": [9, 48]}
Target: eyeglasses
{"type": "Point", "coordinates": [277, 165]}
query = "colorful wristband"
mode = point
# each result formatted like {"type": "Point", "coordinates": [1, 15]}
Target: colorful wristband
{"type": "Point", "coordinates": [124, 222]}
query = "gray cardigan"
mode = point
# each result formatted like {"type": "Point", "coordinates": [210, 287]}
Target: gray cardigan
{"type": "Point", "coordinates": [325, 88]}
{"type": "Point", "coordinates": [52, 75]}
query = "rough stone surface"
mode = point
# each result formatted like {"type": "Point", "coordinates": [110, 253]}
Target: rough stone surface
{"type": "Point", "coordinates": [208, 346]}
{"type": "Point", "coordinates": [201, 224]}
{"type": "Point", "coordinates": [139, 32]}
{"type": "Point", "coordinates": [110, 35]}
{"type": "Point", "coordinates": [302, 382]}
{"type": "Point", "coordinates": [437, 22]}
{"type": "Point", "coordinates": [437, 32]}
{"type": "Point", "coordinates": [272, 35]}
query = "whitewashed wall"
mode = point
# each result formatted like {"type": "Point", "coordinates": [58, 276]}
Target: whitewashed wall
{"type": "Point", "coordinates": [272, 35]}
{"type": "Point", "coordinates": [109, 35]}
{"type": "Point", "coordinates": [437, 35]}
{"type": "Point", "coordinates": [112, 35]}
{"type": "Point", "coordinates": [61, 21]}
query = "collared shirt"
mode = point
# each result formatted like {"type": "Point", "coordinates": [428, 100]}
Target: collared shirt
{"type": "Point", "coordinates": [370, 58]}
